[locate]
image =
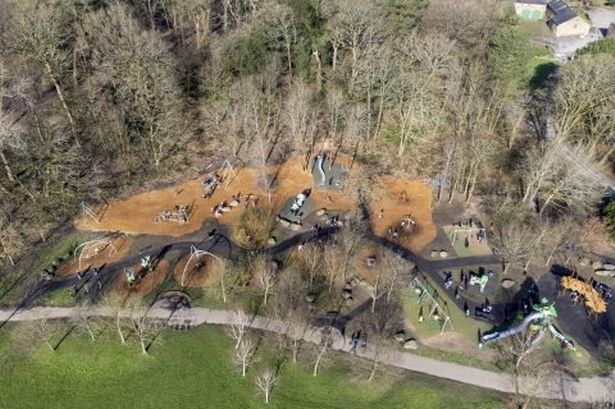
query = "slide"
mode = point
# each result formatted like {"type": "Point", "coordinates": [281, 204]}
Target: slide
{"type": "Point", "coordinates": [494, 336]}
{"type": "Point", "coordinates": [557, 334]}
{"type": "Point", "coordinates": [320, 159]}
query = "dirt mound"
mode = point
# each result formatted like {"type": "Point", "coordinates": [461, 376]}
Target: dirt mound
{"type": "Point", "coordinates": [200, 273]}
{"type": "Point", "coordinates": [148, 281]}
{"type": "Point", "coordinates": [398, 198]}
{"type": "Point", "coordinates": [116, 250]}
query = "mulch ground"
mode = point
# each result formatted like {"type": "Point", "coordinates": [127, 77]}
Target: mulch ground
{"type": "Point", "coordinates": [137, 214]}
{"type": "Point", "coordinates": [207, 275]}
{"type": "Point", "coordinates": [122, 246]}
{"type": "Point", "coordinates": [148, 282]}
{"type": "Point", "coordinates": [399, 198]}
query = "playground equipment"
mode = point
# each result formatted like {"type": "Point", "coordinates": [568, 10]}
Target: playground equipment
{"type": "Point", "coordinates": [320, 159]}
{"type": "Point", "coordinates": [181, 214]}
{"type": "Point", "coordinates": [196, 254]}
{"type": "Point", "coordinates": [146, 263]}
{"type": "Point", "coordinates": [89, 211]}
{"type": "Point", "coordinates": [93, 248]}
{"type": "Point", "coordinates": [299, 201]}
{"type": "Point", "coordinates": [480, 280]}
{"type": "Point", "coordinates": [538, 321]}
{"type": "Point", "coordinates": [131, 276]}
{"type": "Point", "coordinates": [479, 232]}
{"type": "Point", "coordinates": [327, 173]}
{"type": "Point", "coordinates": [593, 301]}
{"type": "Point", "coordinates": [210, 183]}
{"type": "Point", "coordinates": [428, 293]}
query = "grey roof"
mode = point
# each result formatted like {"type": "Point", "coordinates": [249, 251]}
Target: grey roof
{"type": "Point", "coordinates": [557, 6]}
{"type": "Point", "coordinates": [539, 2]}
{"type": "Point", "coordinates": [561, 12]}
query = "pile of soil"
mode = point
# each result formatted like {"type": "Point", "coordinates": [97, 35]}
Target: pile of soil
{"type": "Point", "coordinates": [400, 198]}
{"type": "Point", "coordinates": [207, 274]}
{"type": "Point", "coordinates": [122, 245]}
{"type": "Point", "coordinates": [148, 282]}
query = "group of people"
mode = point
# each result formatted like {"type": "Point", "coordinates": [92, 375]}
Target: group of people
{"type": "Point", "coordinates": [179, 214]}
{"type": "Point", "coordinates": [358, 339]}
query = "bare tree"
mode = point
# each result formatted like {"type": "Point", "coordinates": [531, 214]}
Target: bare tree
{"type": "Point", "coordinates": [244, 354]}
{"type": "Point", "coordinates": [265, 381]}
{"type": "Point", "coordinates": [145, 329]}
{"type": "Point", "coordinates": [84, 320]}
{"type": "Point", "coordinates": [44, 330]}
{"type": "Point", "coordinates": [39, 30]}
{"type": "Point", "coordinates": [325, 343]}
{"type": "Point", "coordinates": [265, 274]}
{"type": "Point", "coordinates": [115, 303]}
{"type": "Point", "coordinates": [239, 327]}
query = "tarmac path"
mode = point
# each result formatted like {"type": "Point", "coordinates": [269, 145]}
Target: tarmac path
{"type": "Point", "coordinates": [559, 386]}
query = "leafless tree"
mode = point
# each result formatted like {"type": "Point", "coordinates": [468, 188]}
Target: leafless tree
{"type": "Point", "coordinates": [144, 328]}
{"type": "Point", "coordinates": [325, 343]}
{"type": "Point", "coordinates": [265, 274]}
{"type": "Point", "coordinates": [244, 354]}
{"type": "Point", "coordinates": [265, 381]}
{"type": "Point", "coordinates": [239, 327]}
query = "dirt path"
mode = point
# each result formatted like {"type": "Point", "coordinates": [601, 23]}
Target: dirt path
{"type": "Point", "coordinates": [596, 389]}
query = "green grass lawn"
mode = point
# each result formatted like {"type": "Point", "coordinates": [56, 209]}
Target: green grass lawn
{"type": "Point", "coordinates": [194, 370]}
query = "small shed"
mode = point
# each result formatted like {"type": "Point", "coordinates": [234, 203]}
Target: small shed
{"type": "Point", "coordinates": [531, 10]}
{"type": "Point", "coordinates": [564, 21]}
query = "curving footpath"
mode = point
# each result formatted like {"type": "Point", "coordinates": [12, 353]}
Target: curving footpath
{"type": "Point", "coordinates": [561, 387]}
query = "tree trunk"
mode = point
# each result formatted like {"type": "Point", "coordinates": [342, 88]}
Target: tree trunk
{"type": "Point", "coordinates": [61, 97]}
{"type": "Point", "coordinates": [318, 359]}
{"type": "Point", "coordinates": [222, 287]}
{"type": "Point", "coordinates": [295, 348]}
{"type": "Point", "coordinates": [373, 309]}
{"type": "Point", "coordinates": [289, 58]}
{"type": "Point", "coordinates": [372, 372]}
{"type": "Point", "coordinates": [244, 367]}
{"type": "Point", "coordinates": [7, 167]}
{"type": "Point", "coordinates": [143, 346]}
{"type": "Point", "coordinates": [119, 329]}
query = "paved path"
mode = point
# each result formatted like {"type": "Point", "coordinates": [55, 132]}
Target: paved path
{"type": "Point", "coordinates": [596, 389]}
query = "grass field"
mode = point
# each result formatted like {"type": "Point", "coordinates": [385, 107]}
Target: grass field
{"type": "Point", "coordinates": [194, 370]}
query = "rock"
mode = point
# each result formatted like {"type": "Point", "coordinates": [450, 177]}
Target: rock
{"type": "Point", "coordinates": [348, 287]}
{"type": "Point", "coordinates": [610, 267]}
{"type": "Point", "coordinates": [584, 261]}
{"type": "Point", "coordinates": [310, 298]}
{"type": "Point", "coordinates": [443, 254]}
{"type": "Point", "coordinates": [284, 223]}
{"type": "Point", "coordinates": [508, 283]}
{"type": "Point", "coordinates": [349, 302]}
{"type": "Point", "coordinates": [433, 254]}
{"type": "Point", "coordinates": [294, 226]}
{"type": "Point", "coordinates": [597, 265]}
{"type": "Point", "coordinates": [346, 294]}
{"type": "Point", "coordinates": [400, 336]}
{"type": "Point", "coordinates": [321, 212]}
{"type": "Point", "coordinates": [271, 241]}
{"type": "Point", "coordinates": [605, 273]}
{"type": "Point", "coordinates": [411, 344]}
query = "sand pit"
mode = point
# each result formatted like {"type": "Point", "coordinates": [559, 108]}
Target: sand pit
{"type": "Point", "coordinates": [136, 214]}
{"type": "Point", "coordinates": [108, 255]}
{"type": "Point", "coordinates": [148, 282]}
{"type": "Point", "coordinates": [207, 274]}
{"type": "Point", "coordinates": [399, 198]}
{"type": "Point", "coordinates": [291, 179]}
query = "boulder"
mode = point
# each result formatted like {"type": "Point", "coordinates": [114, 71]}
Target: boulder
{"type": "Point", "coordinates": [284, 222]}
{"type": "Point", "coordinates": [605, 273]}
{"type": "Point", "coordinates": [508, 283]}
{"type": "Point", "coordinates": [348, 287]}
{"type": "Point", "coordinates": [610, 267]}
{"type": "Point", "coordinates": [310, 298]}
{"type": "Point", "coordinates": [271, 241]}
{"type": "Point", "coordinates": [294, 226]}
{"type": "Point", "coordinates": [584, 261]}
{"type": "Point", "coordinates": [349, 302]}
{"type": "Point", "coordinates": [597, 265]}
{"type": "Point", "coordinates": [443, 254]}
{"type": "Point", "coordinates": [346, 294]}
{"type": "Point", "coordinates": [433, 254]}
{"type": "Point", "coordinates": [321, 212]}
{"type": "Point", "coordinates": [411, 344]}
{"type": "Point", "coordinates": [400, 336]}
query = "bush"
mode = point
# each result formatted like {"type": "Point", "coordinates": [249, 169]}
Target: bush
{"type": "Point", "coordinates": [255, 227]}
{"type": "Point", "coordinates": [604, 46]}
{"type": "Point", "coordinates": [609, 218]}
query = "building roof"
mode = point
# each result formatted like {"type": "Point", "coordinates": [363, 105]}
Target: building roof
{"type": "Point", "coordinates": [561, 12]}
{"type": "Point", "coordinates": [539, 2]}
